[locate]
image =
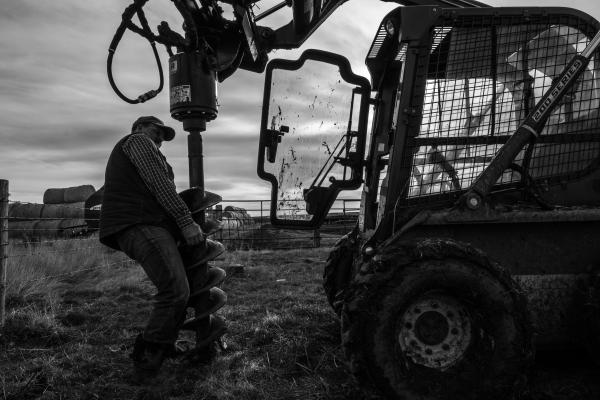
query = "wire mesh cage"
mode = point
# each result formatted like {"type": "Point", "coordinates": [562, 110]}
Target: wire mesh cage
{"type": "Point", "coordinates": [483, 77]}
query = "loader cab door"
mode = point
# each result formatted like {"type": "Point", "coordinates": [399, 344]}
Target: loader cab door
{"type": "Point", "coordinates": [313, 133]}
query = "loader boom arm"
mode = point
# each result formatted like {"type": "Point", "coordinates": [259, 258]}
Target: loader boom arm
{"type": "Point", "coordinates": [307, 20]}
{"type": "Point", "coordinates": [207, 31]}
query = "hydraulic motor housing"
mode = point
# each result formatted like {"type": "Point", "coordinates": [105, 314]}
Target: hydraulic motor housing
{"type": "Point", "coordinates": [193, 90]}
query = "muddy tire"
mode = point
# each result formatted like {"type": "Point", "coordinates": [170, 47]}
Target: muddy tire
{"type": "Point", "coordinates": [338, 270]}
{"type": "Point", "coordinates": [436, 320]}
{"type": "Point", "coordinates": [591, 319]}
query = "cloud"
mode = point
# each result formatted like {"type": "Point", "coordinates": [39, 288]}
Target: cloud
{"type": "Point", "coordinates": [60, 119]}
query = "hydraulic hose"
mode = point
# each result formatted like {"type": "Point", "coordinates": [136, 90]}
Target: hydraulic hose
{"type": "Point", "coordinates": [135, 8]}
{"type": "Point", "coordinates": [190, 25]}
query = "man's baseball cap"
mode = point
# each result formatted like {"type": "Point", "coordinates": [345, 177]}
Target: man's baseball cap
{"type": "Point", "coordinates": [168, 132]}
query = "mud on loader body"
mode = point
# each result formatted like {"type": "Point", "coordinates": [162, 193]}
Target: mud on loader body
{"type": "Point", "coordinates": [437, 300]}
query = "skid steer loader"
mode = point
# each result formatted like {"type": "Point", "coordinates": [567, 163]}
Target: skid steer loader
{"type": "Point", "coordinates": [451, 277]}
{"type": "Point", "coordinates": [477, 236]}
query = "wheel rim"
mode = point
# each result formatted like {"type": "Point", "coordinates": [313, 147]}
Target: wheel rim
{"type": "Point", "coordinates": [434, 331]}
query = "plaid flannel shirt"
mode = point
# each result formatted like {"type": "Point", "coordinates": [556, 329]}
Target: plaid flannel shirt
{"type": "Point", "coordinates": [157, 175]}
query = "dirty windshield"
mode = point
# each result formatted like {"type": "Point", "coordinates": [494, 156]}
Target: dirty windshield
{"type": "Point", "coordinates": [312, 106]}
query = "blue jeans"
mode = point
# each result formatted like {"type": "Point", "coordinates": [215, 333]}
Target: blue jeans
{"type": "Point", "coordinates": [156, 250]}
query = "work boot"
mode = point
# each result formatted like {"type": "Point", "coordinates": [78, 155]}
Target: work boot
{"type": "Point", "coordinates": [147, 359]}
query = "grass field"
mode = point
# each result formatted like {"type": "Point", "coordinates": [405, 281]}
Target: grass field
{"type": "Point", "coordinates": [74, 342]}
{"type": "Point", "coordinates": [69, 338]}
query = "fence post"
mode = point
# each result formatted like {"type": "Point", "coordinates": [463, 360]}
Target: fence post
{"type": "Point", "coordinates": [261, 212]}
{"type": "Point", "coordinates": [317, 238]}
{"type": "Point", "coordinates": [3, 246]}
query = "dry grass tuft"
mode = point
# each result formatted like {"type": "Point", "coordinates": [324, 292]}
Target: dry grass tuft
{"type": "Point", "coordinates": [35, 270]}
{"type": "Point", "coordinates": [68, 335]}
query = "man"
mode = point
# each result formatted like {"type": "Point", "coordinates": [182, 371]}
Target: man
{"type": "Point", "coordinates": [143, 216]}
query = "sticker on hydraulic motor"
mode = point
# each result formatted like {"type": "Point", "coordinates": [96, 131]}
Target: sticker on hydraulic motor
{"type": "Point", "coordinates": [181, 94]}
{"type": "Point", "coordinates": [172, 66]}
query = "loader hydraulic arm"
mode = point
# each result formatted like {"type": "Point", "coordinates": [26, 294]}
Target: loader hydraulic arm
{"type": "Point", "coordinates": [211, 48]}
{"type": "Point", "coordinates": [306, 19]}
{"type": "Point", "coordinates": [242, 42]}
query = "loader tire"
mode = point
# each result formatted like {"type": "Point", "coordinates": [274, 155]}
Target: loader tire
{"type": "Point", "coordinates": [591, 319]}
{"type": "Point", "coordinates": [338, 272]}
{"type": "Point", "coordinates": [436, 320]}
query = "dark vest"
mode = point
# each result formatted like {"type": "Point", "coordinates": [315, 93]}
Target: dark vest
{"type": "Point", "coordinates": [127, 200]}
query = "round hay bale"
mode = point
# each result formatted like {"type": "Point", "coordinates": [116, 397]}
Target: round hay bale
{"type": "Point", "coordinates": [73, 226]}
{"type": "Point", "coordinates": [48, 228]}
{"type": "Point", "coordinates": [75, 210]}
{"type": "Point", "coordinates": [231, 230]}
{"type": "Point", "coordinates": [63, 211]}
{"type": "Point", "coordinates": [77, 194]}
{"type": "Point", "coordinates": [25, 211]}
{"type": "Point", "coordinates": [237, 210]}
{"type": "Point", "coordinates": [21, 229]}
{"type": "Point", "coordinates": [233, 214]}
{"type": "Point", "coordinates": [72, 223]}
{"type": "Point", "coordinates": [229, 223]}
{"type": "Point", "coordinates": [54, 196]}
{"type": "Point", "coordinates": [240, 213]}
{"type": "Point", "coordinates": [93, 204]}
{"type": "Point", "coordinates": [73, 194]}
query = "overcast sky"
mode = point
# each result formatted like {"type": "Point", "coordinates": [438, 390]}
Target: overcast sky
{"type": "Point", "coordinates": [60, 119]}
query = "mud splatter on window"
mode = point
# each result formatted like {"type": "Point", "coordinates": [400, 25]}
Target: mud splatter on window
{"type": "Point", "coordinates": [314, 104]}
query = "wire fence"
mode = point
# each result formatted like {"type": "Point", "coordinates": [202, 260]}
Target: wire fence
{"type": "Point", "coordinates": [59, 241]}
{"type": "Point", "coordinates": [245, 225]}
{"type": "Point", "coordinates": [3, 245]}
